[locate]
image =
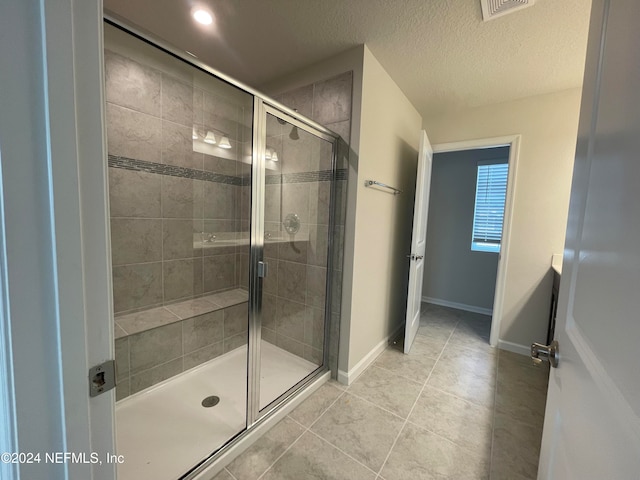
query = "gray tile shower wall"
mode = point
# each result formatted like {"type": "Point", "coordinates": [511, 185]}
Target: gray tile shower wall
{"type": "Point", "coordinates": [170, 195]}
{"type": "Point", "coordinates": [164, 192]}
{"type": "Point", "coordinates": [293, 305]}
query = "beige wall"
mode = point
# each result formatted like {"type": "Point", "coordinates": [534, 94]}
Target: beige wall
{"type": "Point", "coordinates": [388, 151]}
{"type": "Point", "coordinates": [548, 125]}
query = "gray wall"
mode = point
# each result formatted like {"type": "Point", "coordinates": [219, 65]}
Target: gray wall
{"type": "Point", "coordinates": [453, 272]}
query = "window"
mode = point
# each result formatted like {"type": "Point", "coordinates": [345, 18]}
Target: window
{"type": "Point", "coordinates": [488, 215]}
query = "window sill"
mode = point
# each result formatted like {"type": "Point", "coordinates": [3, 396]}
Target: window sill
{"type": "Point", "coordinates": [481, 247]}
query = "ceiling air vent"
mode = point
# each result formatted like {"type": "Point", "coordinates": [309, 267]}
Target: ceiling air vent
{"type": "Point", "coordinates": [496, 8]}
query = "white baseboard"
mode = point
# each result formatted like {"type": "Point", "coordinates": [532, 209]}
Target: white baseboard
{"type": "Point", "coordinates": [347, 378]}
{"type": "Point", "coordinates": [514, 347]}
{"type": "Point", "coordinates": [459, 306]}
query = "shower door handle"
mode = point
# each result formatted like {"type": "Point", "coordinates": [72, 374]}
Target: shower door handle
{"type": "Point", "coordinates": [263, 269]}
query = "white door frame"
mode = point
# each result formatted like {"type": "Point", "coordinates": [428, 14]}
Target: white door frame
{"type": "Point", "coordinates": [513, 142]}
{"type": "Point", "coordinates": [54, 239]}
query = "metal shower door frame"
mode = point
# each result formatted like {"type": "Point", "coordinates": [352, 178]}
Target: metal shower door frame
{"type": "Point", "coordinates": [262, 107]}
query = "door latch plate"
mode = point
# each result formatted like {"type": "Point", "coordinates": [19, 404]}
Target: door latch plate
{"type": "Point", "coordinates": [102, 378]}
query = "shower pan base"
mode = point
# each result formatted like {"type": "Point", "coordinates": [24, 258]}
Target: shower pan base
{"type": "Point", "coordinates": [165, 431]}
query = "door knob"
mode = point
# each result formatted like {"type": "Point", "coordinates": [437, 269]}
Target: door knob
{"type": "Point", "coordinates": [411, 256]}
{"type": "Point", "coordinates": [419, 257]}
{"type": "Point", "coordinates": [550, 353]}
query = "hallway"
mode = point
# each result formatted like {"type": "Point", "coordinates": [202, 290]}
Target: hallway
{"type": "Point", "coordinates": [453, 408]}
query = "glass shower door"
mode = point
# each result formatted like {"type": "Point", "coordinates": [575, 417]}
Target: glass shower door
{"type": "Point", "coordinates": [297, 197]}
{"type": "Point", "coordinates": [180, 156]}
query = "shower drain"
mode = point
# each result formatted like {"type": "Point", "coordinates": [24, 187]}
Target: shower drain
{"type": "Point", "coordinates": [211, 401]}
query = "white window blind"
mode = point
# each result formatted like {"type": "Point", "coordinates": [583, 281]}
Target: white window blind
{"type": "Point", "coordinates": [488, 216]}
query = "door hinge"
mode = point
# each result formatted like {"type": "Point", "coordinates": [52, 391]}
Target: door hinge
{"type": "Point", "coordinates": [102, 378]}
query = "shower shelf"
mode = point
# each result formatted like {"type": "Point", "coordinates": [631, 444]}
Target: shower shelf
{"type": "Point", "coordinates": [138, 322]}
{"type": "Point", "coordinates": [244, 242]}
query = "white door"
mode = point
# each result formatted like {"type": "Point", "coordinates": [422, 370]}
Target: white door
{"type": "Point", "coordinates": [418, 241]}
{"type": "Point", "coordinates": [54, 244]}
{"type": "Point", "coordinates": [592, 422]}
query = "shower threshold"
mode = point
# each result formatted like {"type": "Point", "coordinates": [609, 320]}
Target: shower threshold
{"type": "Point", "coordinates": [165, 431]}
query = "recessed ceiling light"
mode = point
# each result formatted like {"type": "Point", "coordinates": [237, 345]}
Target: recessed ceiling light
{"type": "Point", "coordinates": [203, 17]}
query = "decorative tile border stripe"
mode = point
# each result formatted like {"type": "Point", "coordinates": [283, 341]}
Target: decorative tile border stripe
{"type": "Point", "coordinates": [175, 171]}
{"type": "Point", "coordinates": [171, 170]}
{"type": "Point", "coordinates": [302, 177]}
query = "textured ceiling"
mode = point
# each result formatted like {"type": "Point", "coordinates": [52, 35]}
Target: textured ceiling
{"type": "Point", "coordinates": [440, 52]}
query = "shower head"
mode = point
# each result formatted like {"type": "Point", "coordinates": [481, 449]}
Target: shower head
{"type": "Point", "coordinates": [294, 133]}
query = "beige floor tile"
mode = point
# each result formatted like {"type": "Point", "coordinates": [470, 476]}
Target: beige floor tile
{"type": "Point", "coordinates": [519, 369]}
{"type": "Point", "coordinates": [448, 324]}
{"type": "Point", "coordinates": [420, 454]}
{"type": "Point", "coordinates": [525, 404]}
{"type": "Point", "coordinates": [469, 385]}
{"type": "Point", "coordinates": [516, 448]}
{"type": "Point", "coordinates": [359, 429]}
{"type": "Point", "coordinates": [435, 332]}
{"type": "Point", "coordinates": [413, 367]}
{"type": "Point", "coordinates": [255, 461]}
{"type": "Point", "coordinates": [464, 423]}
{"type": "Point", "coordinates": [312, 458]}
{"type": "Point", "coordinates": [428, 346]}
{"type": "Point", "coordinates": [506, 472]}
{"type": "Point", "coordinates": [223, 475]}
{"type": "Point", "coordinates": [387, 390]}
{"type": "Point", "coordinates": [511, 357]}
{"type": "Point", "coordinates": [463, 359]}
{"type": "Point", "coordinates": [429, 310]}
{"type": "Point", "coordinates": [425, 346]}
{"type": "Point", "coordinates": [522, 389]}
{"type": "Point", "coordinates": [317, 403]}
{"type": "Point", "coordinates": [468, 340]}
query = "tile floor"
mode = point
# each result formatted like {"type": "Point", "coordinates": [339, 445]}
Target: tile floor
{"type": "Point", "coordinates": [453, 408]}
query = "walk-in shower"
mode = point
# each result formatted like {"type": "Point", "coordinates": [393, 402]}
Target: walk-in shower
{"type": "Point", "coordinates": [221, 205]}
